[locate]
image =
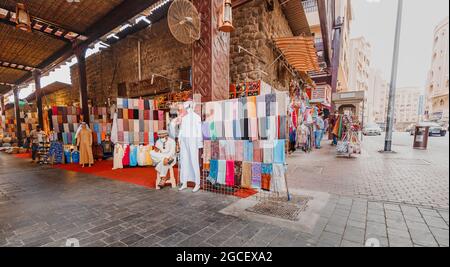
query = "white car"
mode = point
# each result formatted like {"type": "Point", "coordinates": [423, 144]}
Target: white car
{"type": "Point", "coordinates": [435, 129]}
{"type": "Point", "coordinates": [372, 129]}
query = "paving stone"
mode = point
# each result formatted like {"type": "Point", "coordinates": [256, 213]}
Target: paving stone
{"type": "Point", "coordinates": [130, 240]}
{"type": "Point", "coordinates": [376, 218]}
{"type": "Point", "coordinates": [376, 229]}
{"type": "Point", "coordinates": [398, 233]}
{"type": "Point", "coordinates": [330, 239]}
{"type": "Point", "coordinates": [398, 241]}
{"type": "Point", "coordinates": [392, 207]}
{"type": "Point", "coordinates": [149, 241]}
{"type": "Point", "coordinates": [435, 222]}
{"type": "Point", "coordinates": [284, 239]}
{"type": "Point", "coordinates": [350, 244]}
{"type": "Point", "coordinates": [337, 229]}
{"type": "Point", "coordinates": [356, 224]}
{"type": "Point", "coordinates": [354, 234]}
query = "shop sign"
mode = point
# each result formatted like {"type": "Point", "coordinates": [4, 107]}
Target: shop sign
{"type": "Point", "coordinates": [321, 94]}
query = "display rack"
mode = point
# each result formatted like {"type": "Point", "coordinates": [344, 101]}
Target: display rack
{"type": "Point", "coordinates": [42, 153]}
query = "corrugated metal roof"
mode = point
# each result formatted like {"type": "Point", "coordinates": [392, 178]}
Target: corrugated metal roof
{"type": "Point", "coordinates": [296, 16]}
{"type": "Point", "coordinates": [300, 52]}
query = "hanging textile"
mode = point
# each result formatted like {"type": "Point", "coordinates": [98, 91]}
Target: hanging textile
{"type": "Point", "coordinates": [230, 172]}
{"type": "Point", "coordinates": [246, 175]}
{"type": "Point", "coordinates": [256, 175]}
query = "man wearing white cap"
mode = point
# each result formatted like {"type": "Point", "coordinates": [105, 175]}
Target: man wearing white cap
{"type": "Point", "coordinates": [164, 157]}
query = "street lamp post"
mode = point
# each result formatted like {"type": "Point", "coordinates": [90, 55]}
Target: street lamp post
{"type": "Point", "coordinates": [393, 86]}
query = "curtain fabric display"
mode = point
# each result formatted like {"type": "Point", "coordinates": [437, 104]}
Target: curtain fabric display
{"type": "Point", "coordinates": [138, 121]}
{"type": "Point", "coordinates": [245, 139]}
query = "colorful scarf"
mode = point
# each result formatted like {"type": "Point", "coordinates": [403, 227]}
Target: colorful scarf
{"type": "Point", "coordinates": [213, 171]}
{"type": "Point", "coordinates": [237, 173]}
{"type": "Point", "coordinates": [279, 151]}
{"type": "Point", "coordinates": [230, 173]}
{"type": "Point", "coordinates": [221, 177]}
{"type": "Point", "coordinates": [266, 176]}
{"type": "Point", "coordinates": [246, 175]}
{"type": "Point", "coordinates": [256, 175]}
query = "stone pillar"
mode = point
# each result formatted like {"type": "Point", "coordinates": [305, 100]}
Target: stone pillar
{"type": "Point", "coordinates": [2, 105]}
{"type": "Point", "coordinates": [17, 112]}
{"type": "Point", "coordinates": [80, 53]}
{"type": "Point", "coordinates": [38, 93]}
{"type": "Point", "coordinates": [211, 55]}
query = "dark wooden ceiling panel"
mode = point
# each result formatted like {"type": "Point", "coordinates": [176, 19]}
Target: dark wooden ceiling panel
{"type": "Point", "coordinates": [78, 16]}
{"type": "Point", "coordinates": [8, 75]}
{"type": "Point", "coordinates": [26, 48]}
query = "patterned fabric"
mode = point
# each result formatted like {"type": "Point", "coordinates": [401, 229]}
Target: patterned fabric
{"type": "Point", "coordinates": [246, 175]}
{"type": "Point", "coordinates": [138, 121]}
{"type": "Point", "coordinates": [256, 175]}
{"type": "Point", "coordinates": [230, 173]}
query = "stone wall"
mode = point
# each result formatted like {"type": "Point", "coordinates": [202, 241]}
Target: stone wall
{"type": "Point", "coordinates": [160, 54]}
{"type": "Point", "coordinates": [255, 26]}
{"type": "Point", "coordinates": [62, 98]}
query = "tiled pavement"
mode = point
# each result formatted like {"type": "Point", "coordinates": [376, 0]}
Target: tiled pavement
{"type": "Point", "coordinates": [410, 176]}
{"type": "Point", "coordinates": [45, 207]}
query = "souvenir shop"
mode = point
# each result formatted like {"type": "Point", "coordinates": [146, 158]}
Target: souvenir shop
{"type": "Point", "coordinates": [244, 140]}
{"type": "Point", "coordinates": [8, 134]}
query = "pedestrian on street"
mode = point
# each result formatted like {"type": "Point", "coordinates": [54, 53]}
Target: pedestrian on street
{"type": "Point", "coordinates": [37, 137]}
{"type": "Point", "coordinates": [319, 127]}
{"type": "Point", "coordinates": [333, 120]}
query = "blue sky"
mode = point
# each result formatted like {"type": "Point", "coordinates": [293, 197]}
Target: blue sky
{"type": "Point", "coordinates": [375, 20]}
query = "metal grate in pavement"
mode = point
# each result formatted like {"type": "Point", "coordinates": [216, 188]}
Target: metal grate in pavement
{"type": "Point", "coordinates": [281, 209]}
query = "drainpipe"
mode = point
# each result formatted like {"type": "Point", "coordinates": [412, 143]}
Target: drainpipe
{"type": "Point", "coordinates": [139, 60]}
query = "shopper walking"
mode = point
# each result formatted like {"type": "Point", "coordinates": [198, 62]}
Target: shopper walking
{"type": "Point", "coordinates": [37, 137]}
{"type": "Point", "coordinates": [319, 127]}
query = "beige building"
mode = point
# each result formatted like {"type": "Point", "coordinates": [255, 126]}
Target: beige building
{"type": "Point", "coordinates": [344, 8]}
{"type": "Point", "coordinates": [377, 97]}
{"type": "Point", "coordinates": [360, 52]}
{"type": "Point", "coordinates": [339, 16]}
{"type": "Point", "coordinates": [407, 106]}
{"type": "Point", "coordinates": [437, 92]}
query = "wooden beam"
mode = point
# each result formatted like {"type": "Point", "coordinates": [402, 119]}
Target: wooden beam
{"type": "Point", "coordinates": [37, 82]}
{"type": "Point", "coordinates": [238, 3]}
{"type": "Point", "coordinates": [47, 34]}
{"type": "Point", "coordinates": [325, 28]}
{"type": "Point", "coordinates": [120, 14]}
{"type": "Point", "coordinates": [17, 112]}
{"type": "Point", "coordinates": [16, 66]}
{"type": "Point", "coordinates": [80, 53]}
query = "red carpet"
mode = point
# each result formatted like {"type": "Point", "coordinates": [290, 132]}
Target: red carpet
{"type": "Point", "coordinates": [139, 176]}
{"type": "Point", "coordinates": [23, 156]}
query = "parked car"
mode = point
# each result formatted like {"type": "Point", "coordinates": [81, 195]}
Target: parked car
{"type": "Point", "coordinates": [372, 129]}
{"type": "Point", "coordinates": [435, 129]}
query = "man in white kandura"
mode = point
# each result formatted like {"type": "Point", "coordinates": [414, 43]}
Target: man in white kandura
{"type": "Point", "coordinates": [164, 158]}
{"type": "Point", "coordinates": [190, 138]}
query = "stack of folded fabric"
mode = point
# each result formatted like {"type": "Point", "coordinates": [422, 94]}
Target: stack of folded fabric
{"type": "Point", "coordinates": [100, 123]}
{"type": "Point", "coordinates": [138, 121]}
{"type": "Point", "coordinates": [65, 122]}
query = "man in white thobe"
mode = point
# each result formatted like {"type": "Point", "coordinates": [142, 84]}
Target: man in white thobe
{"type": "Point", "coordinates": [190, 139]}
{"type": "Point", "coordinates": [164, 155]}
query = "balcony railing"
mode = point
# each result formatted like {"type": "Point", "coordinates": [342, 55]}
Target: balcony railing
{"type": "Point", "coordinates": [310, 6]}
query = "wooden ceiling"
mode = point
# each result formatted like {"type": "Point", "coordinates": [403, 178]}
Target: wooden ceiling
{"type": "Point", "coordinates": [43, 49]}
